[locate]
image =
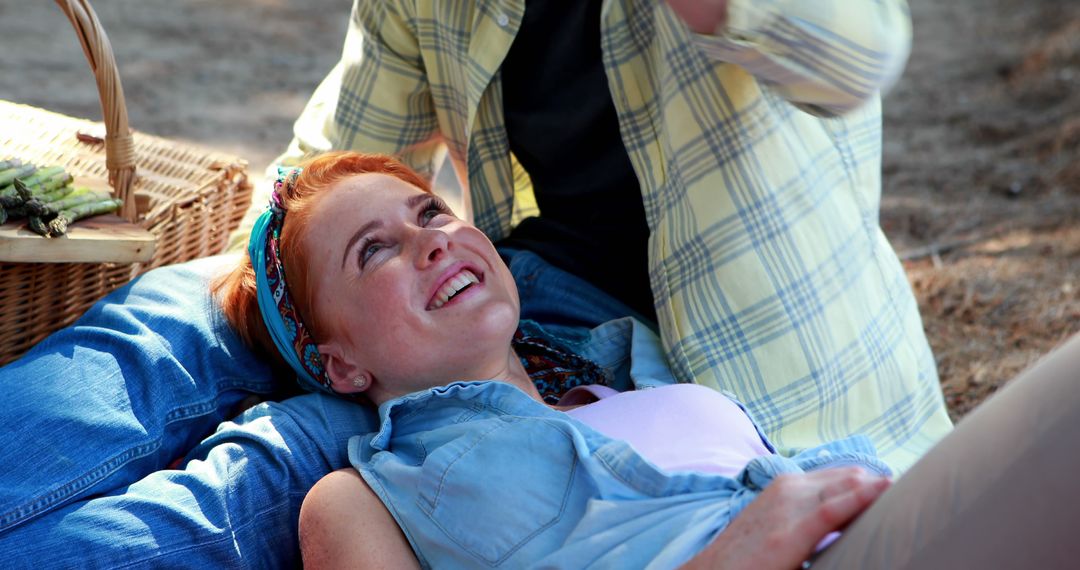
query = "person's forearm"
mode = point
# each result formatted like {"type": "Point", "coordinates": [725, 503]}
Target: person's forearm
{"type": "Point", "coordinates": [828, 56]}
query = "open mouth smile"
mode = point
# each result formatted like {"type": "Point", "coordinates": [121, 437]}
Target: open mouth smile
{"type": "Point", "coordinates": [453, 286]}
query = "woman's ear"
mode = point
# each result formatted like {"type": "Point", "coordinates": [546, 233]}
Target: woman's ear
{"type": "Point", "coordinates": [342, 369]}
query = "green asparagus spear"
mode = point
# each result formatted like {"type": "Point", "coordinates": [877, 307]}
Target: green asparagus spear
{"type": "Point", "coordinates": [10, 163]}
{"type": "Point", "coordinates": [75, 198]}
{"type": "Point", "coordinates": [52, 190]}
{"type": "Point", "coordinates": [20, 194]}
{"type": "Point", "coordinates": [36, 204]}
{"type": "Point", "coordinates": [22, 191]}
{"type": "Point", "coordinates": [7, 176]}
{"type": "Point", "coordinates": [54, 183]}
{"type": "Point", "coordinates": [58, 225]}
{"type": "Point", "coordinates": [58, 193]}
{"type": "Point", "coordinates": [41, 175]}
{"type": "Point", "coordinates": [39, 226]}
{"type": "Point", "coordinates": [40, 186]}
{"type": "Point", "coordinates": [10, 201]}
{"type": "Point", "coordinates": [10, 190]}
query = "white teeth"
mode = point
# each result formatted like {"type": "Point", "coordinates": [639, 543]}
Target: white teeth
{"type": "Point", "coordinates": [451, 287]}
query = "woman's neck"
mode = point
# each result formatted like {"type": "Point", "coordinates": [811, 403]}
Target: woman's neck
{"type": "Point", "coordinates": [515, 374]}
{"type": "Point", "coordinates": [507, 369]}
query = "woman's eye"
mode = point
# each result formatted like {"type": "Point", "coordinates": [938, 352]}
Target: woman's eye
{"type": "Point", "coordinates": [369, 250]}
{"type": "Point", "coordinates": [429, 214]}
{"type": "Point", "coordinates": [433, 208]}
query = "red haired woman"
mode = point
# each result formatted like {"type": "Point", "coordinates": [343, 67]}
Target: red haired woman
{"type": "Point", "coordinates": [365, 284]}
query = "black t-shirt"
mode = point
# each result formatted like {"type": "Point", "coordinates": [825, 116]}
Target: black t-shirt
{"type": "Point", "coordinates": [562, 127]}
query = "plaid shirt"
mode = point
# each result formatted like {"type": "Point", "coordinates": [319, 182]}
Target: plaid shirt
{"type": "Point", "coordinates": [758, 152]}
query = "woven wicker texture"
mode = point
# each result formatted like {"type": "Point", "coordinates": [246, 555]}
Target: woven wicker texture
{"type": "Point", "coordinates": [119, 154]}
{"type": "Point", "coordinates": [190, 198]}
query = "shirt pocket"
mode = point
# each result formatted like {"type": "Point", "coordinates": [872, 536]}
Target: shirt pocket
{"type": "Point", "coordinates": [500, 486]}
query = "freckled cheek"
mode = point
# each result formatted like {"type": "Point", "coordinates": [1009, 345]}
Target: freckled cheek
{"type": "Point", "coordinates": [380, 326]}
{"type": "Point", "coordinates": [389, 298]}
{"type": "Point", "coordinates": [472, 237]}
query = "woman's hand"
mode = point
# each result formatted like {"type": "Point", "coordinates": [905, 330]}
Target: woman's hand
{"type": "Point", "coordinates": [780, 528]}
{"type": "Point", "coordinates": [701, 16]}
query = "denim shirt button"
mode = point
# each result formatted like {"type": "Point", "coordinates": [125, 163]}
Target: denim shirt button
{"type": "Point", "coordinates": [824, 453]}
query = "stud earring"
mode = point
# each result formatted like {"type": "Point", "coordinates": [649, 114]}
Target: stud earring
{"type": "Point", "coordinates": [360, 382]}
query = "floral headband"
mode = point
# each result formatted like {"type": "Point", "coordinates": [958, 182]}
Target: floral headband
{"type": "Point", "coordinates": [279, 313]}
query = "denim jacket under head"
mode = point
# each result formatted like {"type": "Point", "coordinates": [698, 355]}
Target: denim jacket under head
{"type": "Point", "coordinates": [479, 474]}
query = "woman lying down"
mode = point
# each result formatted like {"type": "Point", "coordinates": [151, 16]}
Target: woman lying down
{"type": "Point", "coordinates": [394, 301]}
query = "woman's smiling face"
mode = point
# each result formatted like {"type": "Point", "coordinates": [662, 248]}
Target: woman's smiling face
{"type": "Point", "coordinates": [404, 292]}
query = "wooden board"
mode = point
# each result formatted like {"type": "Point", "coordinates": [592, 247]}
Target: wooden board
{"type": "Point", "coordinates": [106, 238]}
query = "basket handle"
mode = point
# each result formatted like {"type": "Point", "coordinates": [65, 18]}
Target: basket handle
{"type": "Point", "coordinates": [119, 142]}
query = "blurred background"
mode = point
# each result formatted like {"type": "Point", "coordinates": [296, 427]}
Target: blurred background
{"type": "Point", "coordinates": [981, 193]}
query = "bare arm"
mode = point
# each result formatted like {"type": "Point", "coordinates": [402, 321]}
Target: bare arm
{"type": "Point", "coordinates": [780, 529]}
{"type": "Point", "coordinates": [343, 524]}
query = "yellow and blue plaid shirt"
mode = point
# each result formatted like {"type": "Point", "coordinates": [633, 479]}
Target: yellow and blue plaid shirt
{"type": "Point", "coordinates": [758, 153]}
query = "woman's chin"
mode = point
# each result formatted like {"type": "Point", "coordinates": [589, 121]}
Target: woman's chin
{"type": "Point", "coordinates": [494, 321]}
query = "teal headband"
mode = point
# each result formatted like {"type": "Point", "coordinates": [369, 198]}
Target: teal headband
{"type": "Point", "coordinates": [279, 313]}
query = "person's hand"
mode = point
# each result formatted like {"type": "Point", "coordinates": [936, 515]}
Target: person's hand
{"type": "Point", "coordinates": [780, 528]}
{"type": "Point", "coordinates": [701, 16]}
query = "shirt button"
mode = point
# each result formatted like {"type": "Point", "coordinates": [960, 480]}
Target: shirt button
{"type": "Point", "coordinates": [502, 20]}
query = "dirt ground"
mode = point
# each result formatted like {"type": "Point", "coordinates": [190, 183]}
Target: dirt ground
{"type": "Point", "coordinates": [982, 184]}
{"type": "Point", "coordinates": [981, 166]}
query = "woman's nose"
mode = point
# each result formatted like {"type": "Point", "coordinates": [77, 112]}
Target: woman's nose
{"type": "Point", "coordinates": [433, 244]}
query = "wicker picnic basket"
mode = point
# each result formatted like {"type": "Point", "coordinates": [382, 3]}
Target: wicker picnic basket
{"type": "Point", "coordinates": [189, 199]}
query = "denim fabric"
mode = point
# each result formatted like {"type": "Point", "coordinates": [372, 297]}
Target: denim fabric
{"type": "Point", "coordinates": [561, 301]}
{"type": "Point", "coordinates": [97, 411]}
{"type": "Point", "coordinates": [235, 504]}
{"type": "Point", "coordinates": [479, 474]}
{"type": "Point", "coordinates": [135, 383]}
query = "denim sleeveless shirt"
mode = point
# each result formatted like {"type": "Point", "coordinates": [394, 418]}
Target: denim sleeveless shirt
{"type": "Point", "coordinates": [478, 474]}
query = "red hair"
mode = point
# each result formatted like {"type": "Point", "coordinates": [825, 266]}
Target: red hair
{"type": "Point", "coordinates": [237, 291]}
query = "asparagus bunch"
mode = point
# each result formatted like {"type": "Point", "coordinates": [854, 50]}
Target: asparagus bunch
{"type": "Point", "coordinates": [52, 179]}
{"type": "Point", "coordinates": [46, 198]}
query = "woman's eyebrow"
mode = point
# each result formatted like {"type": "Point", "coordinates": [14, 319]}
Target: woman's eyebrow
{"type": "Point", "coordinates": [368, 227]}
{"type": "Point", "coordinates": [417, 199]}
{"type": "Point", "coordinates": [411, 202]}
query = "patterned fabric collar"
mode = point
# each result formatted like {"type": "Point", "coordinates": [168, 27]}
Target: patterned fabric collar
{"type": "Point", "coordinates": [553, 369]}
